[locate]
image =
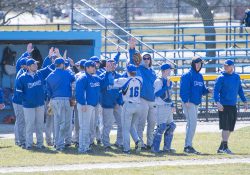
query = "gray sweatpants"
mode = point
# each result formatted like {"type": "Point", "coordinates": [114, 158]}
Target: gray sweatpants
{"type": "Point", "coordinates": [118, 120]}
{"type": "Point", "coordinates": [49, 126]}
{"type": "Point", "coordinates": [68, 138]}
{"type": "Point", "coordinates": [61, 111]}
{"type": "Point", "coordinates": [75, 137]}
{"type": "Point", "coordinates": [130, 115]}
{"type": "Point", "coordinates": [34, 118]}
{"type": "Point", "coordinates": [191, 114]}
{"type": "Point", "coordinates": [85, 126]}
{"type": "Point", "coordinates": [96, 124]}
{"type": "Point", "coordinates": [110, 115]}
{"type": "Point", "coordinates": [20, 123]}
{"type": "Point", "coordinates": [164, 114]}
{"type": "Point", "coordinates": [148, 113]}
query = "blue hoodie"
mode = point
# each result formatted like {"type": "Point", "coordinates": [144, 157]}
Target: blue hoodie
{"type": "Point", "coordinates": [1, 96]}
{"type": "Point", "coordinates": [16, 96]}
{"type": "Point", "coordinates": [88, 88]}
{"type": "Point", "coordinates": [18, 65]}
{"type": "Point", "coordinates": [192, 87]}
{"type": "Point", "coordinates": [131, 54]}
{"type": "Point", "coordinates": [148, 76]}
{"type": "Point", "coordinates": [59, 83]}
{"type": "Point", "coordinates": [110, 96]}
{"type": "Point", "coordinates": [227, 87]}
{"type": "Point", "coordinates": [31, 88]}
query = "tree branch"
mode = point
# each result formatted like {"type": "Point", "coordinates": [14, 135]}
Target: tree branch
{"type": "Point", "coordinates": [13, 17]}
{"type": "Point", "coordinates": [194, 3]}
{"type": "Point", "coordinates": [215, 5]}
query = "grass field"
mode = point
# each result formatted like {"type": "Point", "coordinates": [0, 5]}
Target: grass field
{"type": "Point", "coordinates": [207, 143]}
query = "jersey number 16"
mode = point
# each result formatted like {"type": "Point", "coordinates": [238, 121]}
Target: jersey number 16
{"type": "Point", "coordinates": [134, 92]}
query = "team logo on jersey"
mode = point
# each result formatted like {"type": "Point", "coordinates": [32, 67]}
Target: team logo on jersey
{"type": "Point", "coordinates": [36, 83]}
{"type": "Point", "coordinates": [198, 83]}
{"type": "Point", "coordinates": [96, 84]}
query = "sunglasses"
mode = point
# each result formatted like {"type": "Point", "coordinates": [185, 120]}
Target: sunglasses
{"type": "Point", "coordinates": [146, 58]}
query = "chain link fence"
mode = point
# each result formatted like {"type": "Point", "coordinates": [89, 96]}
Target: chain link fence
{"type": "Point", "coordinates": [140, 12]}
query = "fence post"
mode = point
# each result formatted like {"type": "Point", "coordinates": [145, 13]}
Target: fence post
{"type": "Point", "coordinates": [226, 36]}
{"type": "Point", "coordinates": [206, 104]}
{"type": "Point", "coordinates": [105, 44]}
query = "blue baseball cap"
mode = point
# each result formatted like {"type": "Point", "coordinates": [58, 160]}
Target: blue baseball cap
{"type": "Point", "coordinates": [66, 62]}
{"type": "Point", "coordinates": [78, 63]}
{"type": "Point", "coordinates": [110, 60]}
{"type": "Point", "coordinates": [59, 61]}
{"type": "Point", "coordinates": [30, 61]}
{"type": "Point", "coordinates": [131, 68]}
{"type": "Point", "coordinates": [229, 62]}
{"type": "Point", "coordinates": [89, 63]}
{"type": "Point", "coordinates": [95, 59]}
{"type": "Point", "coordinates": [82, 62]}
{"type": "Point", "coordinates": [23, 61]}
{"type": "Point", "coordinates": [166, 66]}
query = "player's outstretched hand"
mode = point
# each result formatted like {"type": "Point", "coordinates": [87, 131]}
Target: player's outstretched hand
{"type": "Point", "coordinates": [51, 52]}
{"type": "Point", "coordinates": [245, 106]}
{"type": "Point", "coordinates": [30, 48]}
{"type": "Point", "coordinates": [2, 106]}
{"type": "Point", "coordinates": [220, 107]}
{"type": "Point", "coordinates": [132, 43]}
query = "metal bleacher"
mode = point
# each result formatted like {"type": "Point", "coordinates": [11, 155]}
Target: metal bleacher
{"type": "Point", "coordinates": [177, 45]}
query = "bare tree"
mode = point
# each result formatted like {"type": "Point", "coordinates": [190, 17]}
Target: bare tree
{"type": "Point", "coordinates": [19, 7]}
{"type": "Point", "coordinates": [205, 11]}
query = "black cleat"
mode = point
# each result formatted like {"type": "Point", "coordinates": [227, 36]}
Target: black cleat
{"type": "Point", "coordinates": [191, 150]}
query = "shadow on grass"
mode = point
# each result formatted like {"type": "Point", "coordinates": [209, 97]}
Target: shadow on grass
{"type": "Point", "coordinates": [2, 147]}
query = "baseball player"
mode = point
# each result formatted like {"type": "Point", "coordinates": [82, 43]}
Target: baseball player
{"type": "Point", "coordinates": [192, 88]}
{"type": "Point", "coordinates": [131, 89]}
{"type": "Point", "coordinates": [18, 108]}
{"type": "Point", "coordinates": [148, 106]}
{"type": "Point", "coordinates": [165, 123]}
{"type": "Point", "coordinates": [227, 88]}
{"type": "Point", "coordinates": [110, 98]}
{"type": "Point", "coordinates": [30, 86]}
{"type": "Point", "coordinates": [88, 88]}
{"type": "Point", "coordinates": [97, 123]}
{"type": "Point", "coordinates": [76, 128]}
{"type": "Point", "coordinates": [59, 91]}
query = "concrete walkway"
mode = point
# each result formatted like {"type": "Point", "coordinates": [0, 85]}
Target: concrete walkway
{"type": "Point", "coordinates": [129, 165]}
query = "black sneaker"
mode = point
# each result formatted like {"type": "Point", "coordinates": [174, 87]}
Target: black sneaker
{"type": "Point", "coordinates": [117, 145]}
{"type": "Point", "coordinates": [144, 147]}
{"type": "Point", "coordinates": [108, 148]}
{"type": "Point", "coordinates": [191, 150]}
{"type": "Point", "coordinates": [67, 145]}
{"type": "Point", "coordinates": [126, 152]}
{"type": "Point", "coordinates": [76, 144]}
{"type": "Point", "coordinates": [99, 142]}
{"type": "Point", "coordinates": [224, 151]}
{"type": "Point", "coordinates": [138, 146]}
{"type": "Point", "coordinates": [29, 148]}
{"type": "Point", "coordinates": [170, 151]}
{"type": "Point", "coordinates": [92, 145]}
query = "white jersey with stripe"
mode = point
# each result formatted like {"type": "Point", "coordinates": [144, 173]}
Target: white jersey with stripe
{"type": "Point", "coordinates": [131, 88]}
{"type": "Point", "coordinates": [157, 86]}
